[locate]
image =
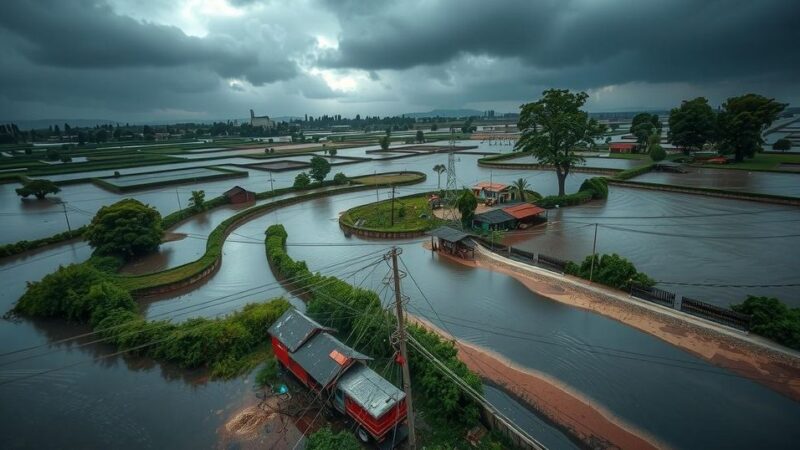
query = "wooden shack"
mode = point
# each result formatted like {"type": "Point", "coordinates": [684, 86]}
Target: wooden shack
{"type": "Point", "coordinates": [238, 194]}
{"type": "Point", "coordinates": [453, 242]}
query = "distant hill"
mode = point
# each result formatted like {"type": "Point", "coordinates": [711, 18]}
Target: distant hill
{"type": "Point", "coordinates": [446, 113]}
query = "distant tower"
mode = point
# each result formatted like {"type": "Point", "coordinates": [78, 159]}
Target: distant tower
{"type": "Point", "coordinates": [451, 190]}
{"type": "Point", "coordinates": [252, 115]}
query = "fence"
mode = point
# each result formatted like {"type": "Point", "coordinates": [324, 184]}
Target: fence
{"type": "Point", "coordinates": [659, 296]}
{"type": "Point", "coordinates": [715, 313]}
{"type": "Point", "coordinates": [654, 295]}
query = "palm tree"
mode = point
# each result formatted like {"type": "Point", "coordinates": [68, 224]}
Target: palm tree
{"type": "Point", "coordinates": [521, 185]}
{"type": "Point", "coordinates": [439, 169]}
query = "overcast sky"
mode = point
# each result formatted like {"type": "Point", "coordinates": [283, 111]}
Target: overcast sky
{"type": "Point", "coordinates": [139, 60]}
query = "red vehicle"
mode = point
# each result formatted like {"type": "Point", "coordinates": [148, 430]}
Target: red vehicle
{"type": "Point", "coordinates": [338, 373]}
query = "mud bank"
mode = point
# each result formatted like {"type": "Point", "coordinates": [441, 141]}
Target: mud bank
{"type": "Point", "coordinates": [586, 422]}
{"type": "Point", "coordinates": [744, 355]}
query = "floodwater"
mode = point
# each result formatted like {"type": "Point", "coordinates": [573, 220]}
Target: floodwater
{"type": "Point", "coordinates": [593, 162]}
{"type": "Point", "coordinates": [787, 184]}
{"type": "Point", "coordinates": [668, 393]}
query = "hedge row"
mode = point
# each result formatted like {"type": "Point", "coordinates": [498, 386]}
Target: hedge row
{"type": "Point", "coordinates": [332, 302]}
{"type": "Point", "coordinates": [635, 172]}
{"type": "Point", "coordinates": [24, 246]}
{"type": "Point", "coordinates": [82, 293]}
{"type": "Point", "coordinates": [577, 198]}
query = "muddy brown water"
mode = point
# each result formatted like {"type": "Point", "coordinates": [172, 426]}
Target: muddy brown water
{"type": "Point", "coordinates": [786, 184]}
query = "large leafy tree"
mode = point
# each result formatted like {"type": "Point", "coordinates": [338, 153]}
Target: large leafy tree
{"type": "Point", "coordinates": [467, 203]}
{"type": "Point", "coordinates": [644, 126]}
{"type": "Point", "coordinates": [553, 126]}
{"type": "Point", "coordinates": [691, 125]}
{"type": "Point", "coordinates": [38, 188]}
{"type": "Point", "coordinates": [320, 167]}
{"type": "Point", "coordinates": [127, 228]}
{"type": "Point", "coordinates": [521, 185]}
{"type": "Point", "coordinates": [742, 122]}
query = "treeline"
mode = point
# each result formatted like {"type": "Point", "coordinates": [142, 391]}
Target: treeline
{"type": "Point", "coordinates": [332, 302]}
{"type": "Point", "coordinates": [772, 319]}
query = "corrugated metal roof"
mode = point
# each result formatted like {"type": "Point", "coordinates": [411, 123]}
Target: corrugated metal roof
{"type": "Point", "coordinates": [494, 216]}
{"type": "Point", "coordinates": [492, 187]}
{"type": "Point", "coordinates": [319, 359]}
{"type": "Point", "coordinates": [294, 328]}
{"type": "Point", "coordinates": [448, 234]}
{"type": "Point", "coordinates": [371, 391]}
{"type": "Point", "coordinates": [523, 210]}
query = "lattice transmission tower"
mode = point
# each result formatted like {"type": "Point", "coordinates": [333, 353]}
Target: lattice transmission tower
{"type": "Point", "coordinates": [451, 190]}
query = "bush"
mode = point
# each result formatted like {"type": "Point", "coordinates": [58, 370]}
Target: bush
{"type": "Point", "coordinates": [598, 186]}
{"type": "Point", "coordinates": [268, 373]}
{"type": "Point", "coordinates": [340, 178]}
{"type": "Point", "coordinates": [611, 270]}
{"type": "Point", "coordinates": [772, 319]}
{"type": "Point", "coordinates": [23, 246]}
{"type": "Point", "coordinates": [577, 198]}
{"type": "Point", "coordinates": [302, 180]}
{"type": "Point", "coordinates": [326, 439]}
{"type": "Point", "coordinates": [782, 145]}
{"type": "Point", "coordinates": [657, 153]}
{"type": "Point", "coordinates": [635, 172]}
{"type": "Point", "coordinates": [127, 228]}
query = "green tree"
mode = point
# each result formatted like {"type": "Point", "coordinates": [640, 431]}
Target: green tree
{"type": "Point", "coordinates": [781, 144]}
{"type": "Point", "coordinates": [691, 125]}
{"type": "Point", "coordinates": [127, 228]}
{"type": "Point", "coordinates": [302, 180]}
{"type": "Point", "coordinates": [420, 137]}
{"type": "Point", "coordinates": [645, 125]}
{"type": "Point", "coordinates": [384, 142]}
{"type": "Point", "coordinates": [742, 121]}
{"type": "Point", "coordinates": [434, 127]}
{"type": "Point", "coordinates": [38, 188]}
{"type": "Point", "coordinates": [439, 169]}
{"type": "Point", "coordinates": [552, 127]}
{"type": "Point", "coordinates": [198, 200]}
{"type": "Point", "coordinates": [654, 148]}
{"type": "Point", "coordinates": [332, 152]}
{"type": "Point", "coordinates": [52, 154]}
{"type": "Point", "coordinates": [467, 203]}
{"type": "Point", "coordinates": [611, 270]}
{"type": "Point", "coordinates": [326, 439]}
{"type": "Point", "coordinates": [320, 167]}
{"type": "Point", "coordinates": [340, 178]}
{"type": "Point", "coordinates": [521, 185]}
{"type": "Point", "coordinates": [772, 319]}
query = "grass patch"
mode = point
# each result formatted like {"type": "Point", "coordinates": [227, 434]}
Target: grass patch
{"type": "Point", "coordinates": [411, 213]}
{"type": "Point", "coordinates": [389, 178]}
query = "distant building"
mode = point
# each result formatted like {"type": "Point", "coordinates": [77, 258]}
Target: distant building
{"type": "Point", "coordinates": [261, 121]}
{"type": "Point", "coordinates": [161, 136]}
{"type": "Point", "coordinates": [621, 147]}
{"type": "Point", "coordinates": [498, 192]}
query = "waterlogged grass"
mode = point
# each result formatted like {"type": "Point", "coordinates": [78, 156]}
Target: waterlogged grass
{"type": "Point", "coordinates": [410, 214]}
{"type": "Point", "coordinates": [389, 178]}
{"type": "Point", "coordinates": [761, 161]}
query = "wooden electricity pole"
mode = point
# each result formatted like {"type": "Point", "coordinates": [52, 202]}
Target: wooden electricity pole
{"type": "Point", "coordinates": [392, 221]}
{"type": "Point", "coordinates": [401, 332]}
{"type": "Point", "coordinates": [66, 216]}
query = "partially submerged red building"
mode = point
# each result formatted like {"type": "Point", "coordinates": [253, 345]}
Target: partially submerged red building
{"type": "Point", "coordinates": [621, 147]}
{"type": "Point", "coordinates": [339, 373]}
{"type": "Point", "coordinates": [238, 194]}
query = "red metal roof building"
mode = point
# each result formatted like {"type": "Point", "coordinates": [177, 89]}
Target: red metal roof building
{"type": "Point", "coordinates": [524, 211]}
{"type": "Point", "coordinates": [497, 191]}
{"type": "Point", "coordinates": [324, 364]}
{"type": "Point", "coordinates": [621, 147]}
{"type": "Point", "coordinates": [238, 194]}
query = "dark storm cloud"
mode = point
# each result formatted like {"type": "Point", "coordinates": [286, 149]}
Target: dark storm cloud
{"type": "Point", "coordinates": [580, 43]}
{"type": "Point", "coordinates": [85, 34]}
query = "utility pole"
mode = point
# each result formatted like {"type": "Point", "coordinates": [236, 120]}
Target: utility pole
{"type": "Point", "coordinates": [392, 221]}
{"type": "Point", "coordinates": [594, 248]}
{"type": "Point", "coordinates": [401, 331]}
{"type": "Point", "coordinates": [179, 199]}
{"type": "Point", "coordinates": [377, 197]}
{"type": "Point", "coordinates": [271, 185]}
{"type": "Point", "coordinates": [64, 205]}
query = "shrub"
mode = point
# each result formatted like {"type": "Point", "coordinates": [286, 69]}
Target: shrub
{"type": "Point", "coordinates": [577, 198]}
{"type": "Point", "coordinates": [611, 270]}
{"type": "Point", "coordinates": [772, 319]}
{"type": "Point", "coordinates": [635, 172]}
{"type": "Point", "coordinates": [340, 178]}
{"type": "Point", "coordinates": [598, 186]}
{"type": "Point", "coordinates": [23, 246]}
{"type": "Point", "coordinates": [302, 180]}
{"type": "Point", "coordinates": [657, 153]}
{"type": "Point", "coordinates": [782, 144]}
{"type": "Point", "coordinates": [268, 373]}
{"type": "Point", "coordinates": [326, 439]}
{"type": "Point", "coordinates": [127, 228]}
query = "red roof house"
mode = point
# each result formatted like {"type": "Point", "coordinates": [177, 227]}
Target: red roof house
{"type": "Point", "coordinates": [621, 147]}
{"type": "Point", "coordinates": [524, 211]}
{"type": "Point", "coordinates": [238, 194]}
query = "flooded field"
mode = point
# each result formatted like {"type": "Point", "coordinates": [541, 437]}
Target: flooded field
{"type": "Point", "coordinates": [170, 175]}
{"type": "Point", "coordinates": [786, 184]}
{"type": "Point", "coordinates": [664, 391]}
{"type": "Point", "coordinates": [598, 162]}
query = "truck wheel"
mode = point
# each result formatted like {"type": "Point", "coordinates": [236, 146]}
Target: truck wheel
{"type": "Point", "coordinates": [362, 434]}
